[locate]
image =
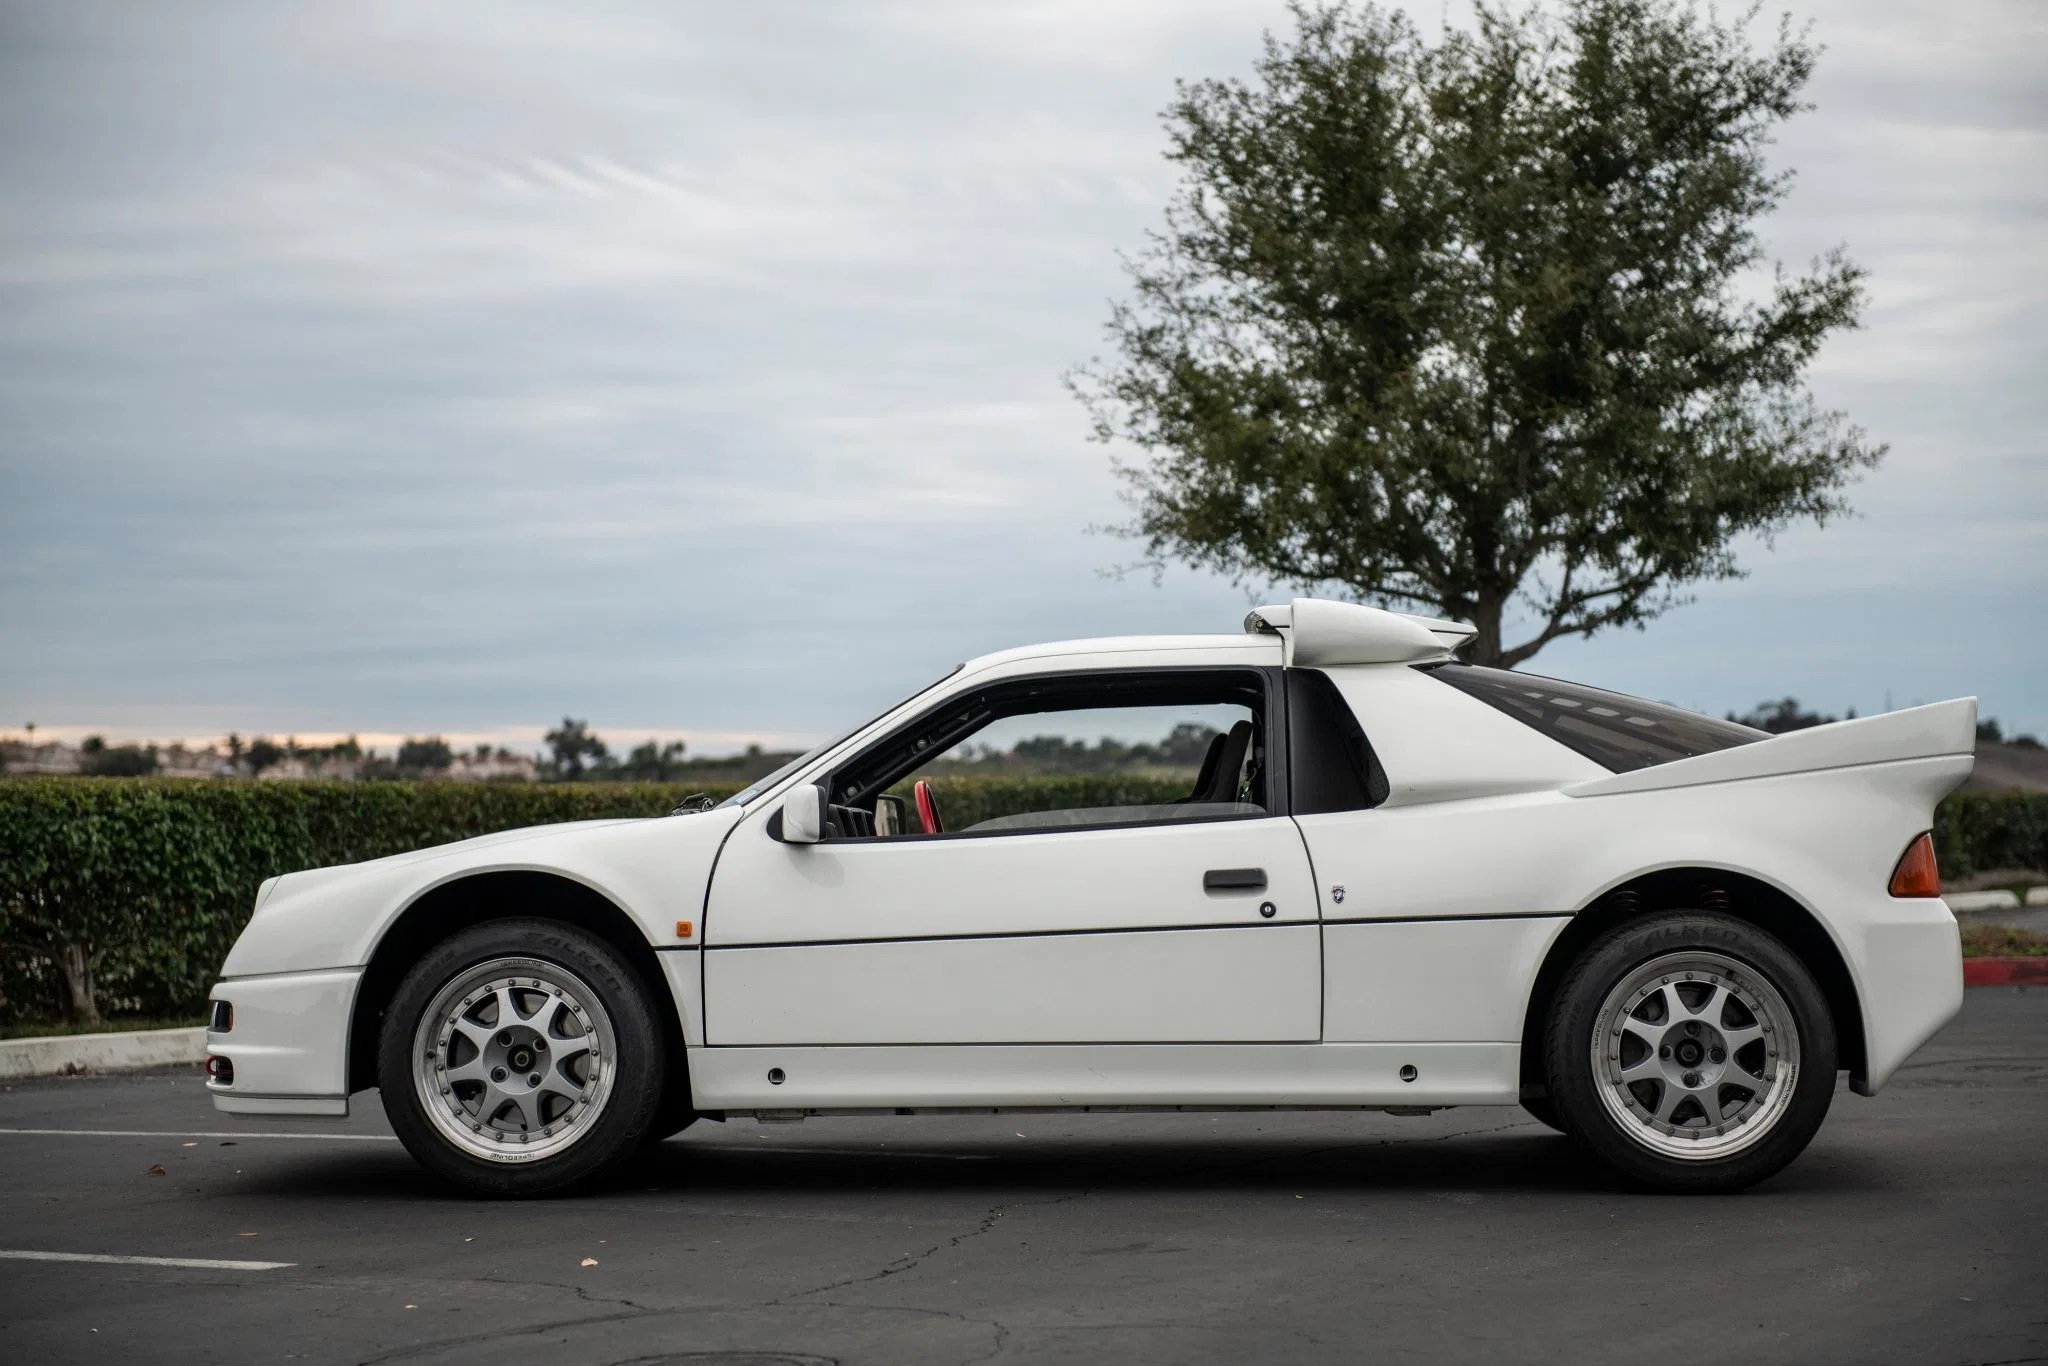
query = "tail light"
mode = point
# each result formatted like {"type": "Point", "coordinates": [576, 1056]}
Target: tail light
{"type": "Point", "coordinates": [220, 1071]}
{"type": "Point", "coordinates": [1916, 874]}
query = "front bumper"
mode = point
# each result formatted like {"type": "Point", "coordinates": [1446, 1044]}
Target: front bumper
{"type": "Point", "coordinates": [288, 1043]}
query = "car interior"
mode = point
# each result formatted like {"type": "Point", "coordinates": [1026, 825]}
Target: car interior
{"type": "Point", "coordinates": [896, 788]}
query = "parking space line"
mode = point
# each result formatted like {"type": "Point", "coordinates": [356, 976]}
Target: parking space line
{"type": "Point", "coordinates": [196, 1263]}
{"type": "Point", "coordinates": [198, 1133]}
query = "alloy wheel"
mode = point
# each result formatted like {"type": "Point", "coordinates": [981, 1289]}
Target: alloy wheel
{"type": "Point", "coordinates": [1695, 1055]}
{"type": "Point", "coordinates": [513, 1060]}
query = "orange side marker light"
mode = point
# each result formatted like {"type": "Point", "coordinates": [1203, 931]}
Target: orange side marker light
{"type": "Point", "coordinates": [1916, 874]}
{"type": "Point", "coordinates": [685, 927]}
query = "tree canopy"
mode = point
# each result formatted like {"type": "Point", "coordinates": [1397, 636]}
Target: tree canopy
{"type": "Point", "coordinates": [1481, 326]}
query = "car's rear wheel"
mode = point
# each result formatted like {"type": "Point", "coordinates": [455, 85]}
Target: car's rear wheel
{"type": "Point", "coordinates": [521, 1057]}
{"type": "Point", "coordinates": [1691, 1051]}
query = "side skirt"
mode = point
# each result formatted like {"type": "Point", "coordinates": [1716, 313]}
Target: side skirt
{"type": "Point", "coordinates": [890, 1079]}
{"type": "Point", "coordinates": [799, 1116]}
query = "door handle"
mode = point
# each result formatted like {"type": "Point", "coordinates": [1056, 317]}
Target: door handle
{"type": "Point", "coordinates": [1234, 880]}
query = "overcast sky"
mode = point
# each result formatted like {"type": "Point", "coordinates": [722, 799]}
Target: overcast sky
{"type": "Point", "coordinates": [696, 368]}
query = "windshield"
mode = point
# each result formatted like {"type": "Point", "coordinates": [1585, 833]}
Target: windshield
{"type": "Point", "coordinates": [748, 794]}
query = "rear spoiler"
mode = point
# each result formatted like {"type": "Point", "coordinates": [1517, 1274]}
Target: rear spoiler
{"type": "Point", "coordinates": [1932, 731]}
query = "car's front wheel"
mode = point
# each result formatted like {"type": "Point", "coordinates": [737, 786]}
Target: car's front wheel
{"type": "Point", "coordinates": [521, 1057]}
{"type": "Point", "coordinates": [1543, 1112]}
{"type": "Point", "coordinates": [1692, 1051]}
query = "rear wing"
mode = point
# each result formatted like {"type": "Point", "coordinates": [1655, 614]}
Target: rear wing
{"type": "Point", "coordinates": [1937, 730]}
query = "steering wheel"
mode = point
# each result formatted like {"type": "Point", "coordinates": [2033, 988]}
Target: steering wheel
{"type": "Point", "coordinates": [927, 809]}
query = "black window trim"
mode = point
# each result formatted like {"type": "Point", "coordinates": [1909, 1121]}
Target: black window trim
{"type": "Point", "coordinates": [1375, 785]}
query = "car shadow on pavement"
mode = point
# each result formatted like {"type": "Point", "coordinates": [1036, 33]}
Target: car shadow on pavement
{"type": "Point", "coordinates": [1519, 1159]}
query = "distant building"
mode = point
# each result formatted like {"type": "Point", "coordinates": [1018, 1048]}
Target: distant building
{"type": "Point", "coordinates": [502, 766]}
{"type": "Point", "coordinates": [50, 757]}
{"type": "Point", "coordinates": [328, 768]}
{"type": "Point", "coordinates": [176, 761]}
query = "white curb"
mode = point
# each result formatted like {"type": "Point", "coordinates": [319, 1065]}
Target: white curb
{"type": "Point", "coordinates": [1997, 899]}
{"type": "Point", "coordinates": [61, 1054]}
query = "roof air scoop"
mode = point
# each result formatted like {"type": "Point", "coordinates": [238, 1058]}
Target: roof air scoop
{"type": "Point", "coordinates": [1317, 631]}
{"type": "Point", "coordinates": [1268, 621]}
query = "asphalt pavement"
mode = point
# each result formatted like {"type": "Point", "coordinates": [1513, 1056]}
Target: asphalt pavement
{"type": "Point", "coordinates": [1914, 1230]}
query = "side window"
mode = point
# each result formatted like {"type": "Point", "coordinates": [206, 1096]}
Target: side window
{"type": "Point", "coordinates": [1330, 763]}
{"type": "Point", "coordinates": [1064, 753]}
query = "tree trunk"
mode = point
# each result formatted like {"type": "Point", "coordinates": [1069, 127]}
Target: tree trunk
{"type": "Point", "coordinates": [1486, 646]}
{"type": "Point", "coordinates": [76, 964]}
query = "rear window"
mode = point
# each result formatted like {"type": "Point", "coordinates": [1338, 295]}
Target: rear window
{"type": "Point", "coordinates": [1618, 732]}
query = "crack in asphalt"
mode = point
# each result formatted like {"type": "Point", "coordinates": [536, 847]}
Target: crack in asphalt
{"type": "Point", "coordinates": [420, 1349]}
{"type": "Point", "coordinates": [629, 1310]}
{"type": "Point", "coordinates": [984, 1225]}
{"type": "Point", "coordinates": [1002, 1330]}
{"type": "Point", "coordinates": [910, 1261]}
{"type": "Point", "coordinates": [579, 1291]}
{"type": "Point", "coordinates": [995, 1350]}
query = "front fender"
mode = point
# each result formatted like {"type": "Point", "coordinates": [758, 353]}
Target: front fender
{"type": "Point", "coordinates": [656, 870]}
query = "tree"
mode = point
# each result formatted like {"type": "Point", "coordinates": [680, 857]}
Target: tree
{"type": "Point", "coordinates": [1782, 716]}
{"type": "Point", "coordinates": [1462, 326]}
{"type": "Point", "coordinates": [431, 755]}
{"type": "Point", "coordinates": [575, 752]}
{"type": "Point", "coordinates": [263, 753]}
{"type": "Point", "coordinates": [1187, 744]}
{"type": "Point", "coordinates": [649, 762]}
{"type": "Point", "coordinates": [98, 759]}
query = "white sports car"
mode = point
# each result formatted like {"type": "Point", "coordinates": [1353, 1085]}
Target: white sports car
{"type": "Point", "coordinates": [1398, 882]}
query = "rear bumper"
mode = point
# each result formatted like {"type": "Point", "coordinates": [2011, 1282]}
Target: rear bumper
{"type": "Point", "coordinates": [288, 1043]}
{"type": "Point", "coordinates": [1907, 956]}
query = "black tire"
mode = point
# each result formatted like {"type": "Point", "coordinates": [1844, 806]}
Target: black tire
{"type": "Point", "coordinates": [1543, 1112]}
{"type": "Point", "coordinates": [637, 1067]}
{"type": "Point", "coordinates": [1767, 969]}
{"type": "Point", "coordinates": [675, 1114]}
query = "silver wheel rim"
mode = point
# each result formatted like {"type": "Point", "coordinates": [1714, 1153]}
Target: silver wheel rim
{"type": "Point", "coordinates": [1696, 1055]}
{"type": "Point", "coordinates": [513, 1060]}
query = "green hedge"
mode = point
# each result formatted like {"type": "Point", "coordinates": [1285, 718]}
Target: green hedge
{"type": "Point", "coordinates": [138, 886]}
{"type": "Point", "coordinates": [1975, 832]}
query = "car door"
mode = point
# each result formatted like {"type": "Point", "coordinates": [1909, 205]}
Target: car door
{"type": "Point", "coordinates": [1149, 931]}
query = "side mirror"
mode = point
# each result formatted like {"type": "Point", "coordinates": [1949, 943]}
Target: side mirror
{"type": "Point", "coordinates": [803, 815]}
